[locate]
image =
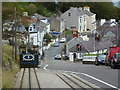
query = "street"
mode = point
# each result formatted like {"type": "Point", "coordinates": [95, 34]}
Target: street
{"type": "Point", "coordinates": [102, 76]}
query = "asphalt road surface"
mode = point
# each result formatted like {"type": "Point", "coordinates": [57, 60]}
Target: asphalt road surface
{"type": "Point", "coordinates": [103, 76]}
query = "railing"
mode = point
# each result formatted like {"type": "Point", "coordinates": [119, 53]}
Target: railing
{"type": "Point", "coordinates": [89, 58]}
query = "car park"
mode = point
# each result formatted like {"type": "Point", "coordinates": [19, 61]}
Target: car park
{"type": "Point", "coordinates": [100, 59]}
{"type": "Point", "coordinates": [56, 44]}
{"type": "Point", "coordinates": [62, 40]}
{"type": "Point", "coordinates": [57, 56]}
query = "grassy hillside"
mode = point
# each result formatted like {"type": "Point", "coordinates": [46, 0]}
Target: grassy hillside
{"type": "Point", "coordinates": [8, 74]}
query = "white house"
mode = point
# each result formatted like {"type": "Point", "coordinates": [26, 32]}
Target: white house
{"type": "Point", "coordinates": [80, 18]}
{"type": "Point", "coordinates": [37, 30]}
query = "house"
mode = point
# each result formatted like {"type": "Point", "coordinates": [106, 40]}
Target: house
{"type": "Point", "coordinates": [37, 28]}
{"type": "Point", "coordinates": [110, 33]}
{"type": "Point", "coordinates": [81, 18]}
{"type": "Point", "coordinates": [90, 18]}
{"type": "Point", "coordinates": [91, 46]}
{"type": "Point", "coordinates": [57, 23]}
{"type": "Point", "coordinates": [72, 43]}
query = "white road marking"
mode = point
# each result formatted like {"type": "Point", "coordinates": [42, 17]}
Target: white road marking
{"type": "Point", "coordinates": [100, 81]}
{"type": "Point", "coordinates": [45, 68]}
{"type": "Point", "coordinates": [84, 75]}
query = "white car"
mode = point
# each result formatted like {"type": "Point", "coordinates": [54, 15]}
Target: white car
{"type": "Point", "coordinates": [57, 56]}
{"type": "Point", "coordinates": [62, 40]}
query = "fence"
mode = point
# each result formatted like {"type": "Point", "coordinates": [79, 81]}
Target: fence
{"type": "Point", "coordinates": [89, 59]}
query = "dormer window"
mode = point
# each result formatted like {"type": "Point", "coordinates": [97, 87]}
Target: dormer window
{"type": "Point", "coordinates": [30, 28]}
{"type": "Point", "coordinates": [69, 14]}
{"type": "Point", "coordinates": [34, 26]}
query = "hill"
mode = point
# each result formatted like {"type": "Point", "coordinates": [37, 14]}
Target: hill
{"type": "Point", "coordinates": [105, 10]}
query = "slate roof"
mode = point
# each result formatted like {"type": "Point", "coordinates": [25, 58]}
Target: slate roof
{"type": "Point", "coordinates": [115, 30]}
{"type": "Point", "coordinates": [88, 13]}
{"type": "Point", "coordinates": [59, 19]}
{"type": "Point", "coordinates": [74, 42]}
{"type": "Point", "coordinates": [95, 45]}
{"type": "Point", "coordinates": [74, 49]}
{"type": "Point", "coordinates": [110, 33]}
{"type": "Point", "coordinates": [79, 12]}
{"type": "Point", "coordinates": [92, 45]}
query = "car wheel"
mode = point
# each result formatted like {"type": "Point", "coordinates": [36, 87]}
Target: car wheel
{"type": "Point", "coordinates": [113, 65]}
{"type": "Point", "coordinates": [96, 63]}
{"type": "Point", "coordinates": [109, 63]}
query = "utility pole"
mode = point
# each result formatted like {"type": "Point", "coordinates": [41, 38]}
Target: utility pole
{"type": "Point", "coordinates": [15, 35]}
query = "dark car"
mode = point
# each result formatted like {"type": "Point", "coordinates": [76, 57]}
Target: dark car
{"type": "Point", "coordinates": [100, 59]}
{"type": "Point", "coordinates": [115, 61]}
{"type": "Point", "coordinates": [57, 56]}
{"type": "Point", "coordinates": [65, 57]}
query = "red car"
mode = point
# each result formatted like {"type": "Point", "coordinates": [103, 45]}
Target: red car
{"type": "Point", "coordinates": [110, 55]}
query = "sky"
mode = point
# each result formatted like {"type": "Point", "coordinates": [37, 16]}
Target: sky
{"type": "Point", "coordinates": [116, 3]}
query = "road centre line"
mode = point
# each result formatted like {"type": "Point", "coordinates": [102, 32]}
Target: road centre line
{"type": "Point", "coordinates": [45, 68]}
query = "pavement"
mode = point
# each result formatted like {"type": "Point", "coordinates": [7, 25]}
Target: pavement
{"type": "Point", "coordinates": [50, 80]}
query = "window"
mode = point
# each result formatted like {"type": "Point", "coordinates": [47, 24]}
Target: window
{"type": "Point", "coordinates": [84, 26]}
{"type": "Point", "coordinates": [68, 14]}
{"type": "Point", "coordinates": [30, 28]}
{"type": "Point", "coordinates": [80, 19]}
{"type": "Point", "coordinates": [84, 18]}
{"type": "Point", "coordinates": [80, 27]}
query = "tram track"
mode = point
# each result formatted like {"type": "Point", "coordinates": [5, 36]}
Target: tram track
{"type": "Point", "coordinates": [76, 83]}
{"type": "Point", "coordinates": [28, 79]}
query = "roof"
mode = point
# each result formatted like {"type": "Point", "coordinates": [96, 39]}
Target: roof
{"type": "Point", "coordinates": [29, 20]}
{"type": "Point", "coordinates": [95, 45]}
{"type": "Point", "coordinates": [74, 49]}
{"type": "Point", "coordinates": [91, 45]}
{"type": "Point", "coordinates": [112, 29]}
{"type": "Point", "coordinates": [73, 42]}
{"type": "Point", "coordinates": [88, 13]}
{"type": "Point", "coordinates": [59, 19]}
{"type": "Point", "coordinates": [77, 10]}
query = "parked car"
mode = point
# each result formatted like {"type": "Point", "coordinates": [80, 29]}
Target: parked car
{"type": "Point", "coordinates": [110, 53]}
{"type": "Point", "coordinates": [62, 40]}
{"type": "Point", "coordinates": [65, 57]}
{"type": "Point", "coordinates": [57, 56]}
{"type": "Point", "coordinates": [115, 61]}
{"type": "Point", "coordinates": [100, 59]}
{"type": "Point", "coordinates": [56, 44]}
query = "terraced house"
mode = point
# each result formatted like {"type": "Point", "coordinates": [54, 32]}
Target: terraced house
{"type": "Point", "coordinates": [80, 18]}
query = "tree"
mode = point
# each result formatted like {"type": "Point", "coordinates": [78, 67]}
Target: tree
{"type": "Point", "coordinates": [32, 9]}
{"type": "Point", "coordinates": [48, 38]}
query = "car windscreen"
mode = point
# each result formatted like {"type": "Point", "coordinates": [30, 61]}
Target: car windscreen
{"type": "Point", "coordinates": [101, 56]}
{"type": "Point", "coordinates": [117, 55]}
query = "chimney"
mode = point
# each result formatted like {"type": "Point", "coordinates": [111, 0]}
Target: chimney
{"type": "Point", "coordinates": [25, 13]}
{"type": "Point", "coordinates": [75, 32]}
{"type": "Point", "coordinates": [102, 21]}
{"type": "Point", "coordinates": [80, 8]}
{"type": "Point", "coordinates": [112, 20]}
{"type": "Point", "coordinates": [86, 8]}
